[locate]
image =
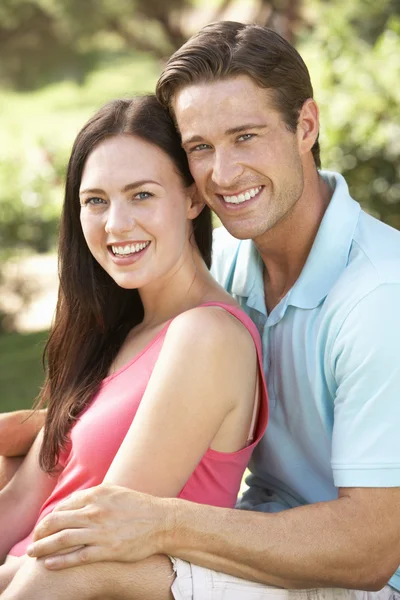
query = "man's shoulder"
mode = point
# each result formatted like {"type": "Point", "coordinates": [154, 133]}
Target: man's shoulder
{"type": "Point", "coordinates": [374, 258]}
{"type": "Point", "coordinates": [373, 268]}
{"type": "Point", "coordinates": [376, 247]}
{"type": "Point", "coordinates": [224, 251]}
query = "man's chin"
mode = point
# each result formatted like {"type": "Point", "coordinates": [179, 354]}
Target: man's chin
{"type": "Point", "coordinates": [242, 231]}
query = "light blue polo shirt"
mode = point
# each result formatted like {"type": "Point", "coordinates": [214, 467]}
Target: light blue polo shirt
{"type": "Point", "coordinates": [331, 359]}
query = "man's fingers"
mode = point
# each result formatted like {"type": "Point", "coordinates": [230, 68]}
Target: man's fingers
{"type": "Point", "coordinates": [81, 499]}
{"type": "Point", "coordinates": [57, 522]}
{"type": "Point", "coordinates": [85, 555]}
{"type": "Point", "coordinates": [64, 542]}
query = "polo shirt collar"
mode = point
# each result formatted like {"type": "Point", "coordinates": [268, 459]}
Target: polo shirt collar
{"type": "Point", "coordinates": [330, 251]}
{"type": "Point", "coordinates": [248, 281]}
{"type": "Point", "coordinates": [327, 259]}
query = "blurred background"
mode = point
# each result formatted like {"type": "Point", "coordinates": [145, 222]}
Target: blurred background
{"type": "Point", "coordinates": [62, 59]}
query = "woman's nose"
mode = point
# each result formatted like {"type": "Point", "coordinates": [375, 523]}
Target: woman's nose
{"type": "Point", "coordinates": [120, 219]}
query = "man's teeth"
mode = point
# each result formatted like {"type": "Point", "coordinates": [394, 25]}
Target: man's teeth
{"type": "Point", "coordinates": [242, 197]}
{"type": "Point", "coordinates": [129, 248]}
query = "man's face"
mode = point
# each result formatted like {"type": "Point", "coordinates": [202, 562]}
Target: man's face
{"type": "Point", "coordinates": [246, 163]}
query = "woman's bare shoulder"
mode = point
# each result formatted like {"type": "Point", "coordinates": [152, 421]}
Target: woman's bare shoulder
{"type": "Point", "coordinates": [212, 329]}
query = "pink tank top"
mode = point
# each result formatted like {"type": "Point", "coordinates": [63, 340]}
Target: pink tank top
{"type": "Point", "coordinates": [95, 438]}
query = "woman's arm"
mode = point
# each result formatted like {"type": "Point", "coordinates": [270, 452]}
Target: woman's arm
{"type": "Point", "coordinates": [205, 371]}
{"type": "Point", "coordinates": [21, 499]}
{"type": "Point", "coordinates": [9, 465]}
{"type": "Point", "coordinates": [18, 430]}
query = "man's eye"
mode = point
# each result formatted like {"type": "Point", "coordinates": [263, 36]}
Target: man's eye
{"type": "Point", "coordinates": [198, 147]}
{"type": "Point", "coordinates": [246, 136]}
{"type": "Point", "coordinates": [143, 195]}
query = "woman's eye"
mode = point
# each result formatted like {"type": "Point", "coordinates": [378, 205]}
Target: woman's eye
{"type": "Point", "coordinates": [94, 201]}
{"type": "Point", "coordinates": [143, 195]}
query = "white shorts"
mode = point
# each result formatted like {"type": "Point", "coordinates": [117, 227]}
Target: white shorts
{"type": "Point", "coordinates": [196, 583]}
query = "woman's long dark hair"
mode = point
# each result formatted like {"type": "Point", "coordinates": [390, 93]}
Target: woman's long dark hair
{"type": "Point", "coordinates": [94, 314]}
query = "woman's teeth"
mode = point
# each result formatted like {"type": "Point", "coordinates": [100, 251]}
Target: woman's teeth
{"type": "Point", "coordinates": [242, 197]}
{"type": "Point", "coordinates": [129, 248]}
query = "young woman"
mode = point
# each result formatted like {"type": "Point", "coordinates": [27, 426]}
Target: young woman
{"type": "Point", "coordinates": [154, 377]}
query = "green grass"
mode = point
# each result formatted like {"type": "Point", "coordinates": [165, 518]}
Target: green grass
{"type": "Point", "coordinates": [21, 372]}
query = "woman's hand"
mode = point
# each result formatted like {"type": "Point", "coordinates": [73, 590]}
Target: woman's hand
{"type": "Point", "coordinates": [18, 431]}
{"type": "Point", "coordinates": [104, 523]}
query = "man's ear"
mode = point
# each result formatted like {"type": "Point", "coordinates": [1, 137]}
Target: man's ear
{"type": "Point", "coordinates": [196, 203]}
{"type": "Point", "coordinates": [308, 125]}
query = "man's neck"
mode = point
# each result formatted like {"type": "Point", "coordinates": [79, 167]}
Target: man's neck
{"type": "Point", "coordinates": [284, 249]}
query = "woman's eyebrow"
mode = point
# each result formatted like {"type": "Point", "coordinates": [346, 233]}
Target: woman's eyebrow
{"type": "Point", "coordinates": [126, 188]}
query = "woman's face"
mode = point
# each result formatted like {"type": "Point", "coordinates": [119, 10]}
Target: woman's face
{"type": "Point", "coordinates": [135, 211]}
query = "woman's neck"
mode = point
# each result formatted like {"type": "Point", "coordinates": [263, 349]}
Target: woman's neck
{"type": "Point", "coordinates": [186, 286]}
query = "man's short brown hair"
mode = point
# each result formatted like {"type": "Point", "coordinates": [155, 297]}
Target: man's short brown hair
{"type": "Point", "coordinates": [226, 49]}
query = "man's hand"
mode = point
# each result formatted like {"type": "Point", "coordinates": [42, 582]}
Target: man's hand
{"type": "Point", "coordinates": [18, 430]}
{"type": "Point", "coordinates": [104, 523]}
{"type": "Point", "coordinates": [352, 542]}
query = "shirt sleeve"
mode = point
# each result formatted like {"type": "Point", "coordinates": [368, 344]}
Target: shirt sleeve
{"type": "Point", "coordinates": [366, 366]}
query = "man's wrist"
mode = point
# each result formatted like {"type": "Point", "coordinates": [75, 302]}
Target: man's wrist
{"type": "Point", "coordinates": [170, 512]}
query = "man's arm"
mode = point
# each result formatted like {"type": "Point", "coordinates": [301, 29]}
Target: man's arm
{"type": "Point", "coordinates": [351, 542]}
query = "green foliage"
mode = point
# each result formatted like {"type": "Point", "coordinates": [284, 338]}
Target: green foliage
{"type": "Point", "coordinates": [353, 55]}
{"type": "Point", "coordinates": [20, 354]}
{"type": "Point", "coordinates": [43, 41]}
{"type": "Point", "coordinates": [38, 44]}
{"type": "Point", "coordinates": [39, 129]}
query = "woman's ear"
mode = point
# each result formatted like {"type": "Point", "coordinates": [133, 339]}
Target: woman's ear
{"type": "Point", "coordinates": [196, 203]}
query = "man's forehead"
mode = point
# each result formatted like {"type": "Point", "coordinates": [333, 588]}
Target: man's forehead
{"type": "Point", "coordinates": [226, 104]}
{"type": "Point", "coordinates": [222, 88]}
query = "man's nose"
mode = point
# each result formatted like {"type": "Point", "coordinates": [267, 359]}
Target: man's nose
{"type": "Point", "coordinates": [120, 219]}
{"type": "Point", "coordinates": [225, 169]}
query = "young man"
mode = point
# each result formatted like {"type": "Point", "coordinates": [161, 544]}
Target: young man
{"type": "Point", "coordinates": [321, 279]}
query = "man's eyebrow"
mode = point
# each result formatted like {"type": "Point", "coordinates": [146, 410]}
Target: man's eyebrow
{"type": "Point", "coordinates": [244, 127]}
{"type": "Point", "coordinates": [231, 131]}
{"type": "Point", "coordinates": [194, 138]}
{"type": "Point", "coordinates": [126, 188]}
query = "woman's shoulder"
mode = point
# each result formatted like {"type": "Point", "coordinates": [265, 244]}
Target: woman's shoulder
{"type": "Point", "coordinates": [214, 327]}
